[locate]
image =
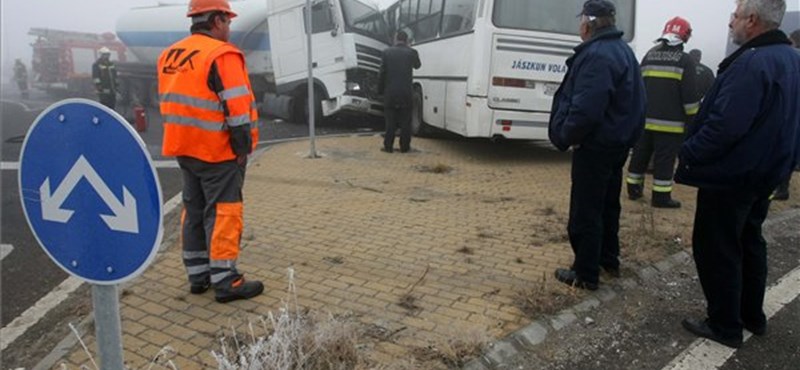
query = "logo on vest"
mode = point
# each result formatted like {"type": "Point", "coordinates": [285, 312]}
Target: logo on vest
{"type": "Point", "coordinates": [177, 62]}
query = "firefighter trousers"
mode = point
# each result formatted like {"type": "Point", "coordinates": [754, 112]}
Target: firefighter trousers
{"type": "Point", "coordinates": [663, 148]}
{"type": "Point", "coordinates": [594, 210]}
{"type": "Point", "coordinates": [212, 219]}
{"type": "Point", "coordinates": [730, 254]}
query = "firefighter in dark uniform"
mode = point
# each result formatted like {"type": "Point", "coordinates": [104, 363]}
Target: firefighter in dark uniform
{"type": "Point", "coordinates": [21, 77]}
{"type": "Point", "coordinates": [672, 101]}
{"type": "Point", "coordinates": [705, 76]}
{"type": "Point", "coordinates": [104, 76]}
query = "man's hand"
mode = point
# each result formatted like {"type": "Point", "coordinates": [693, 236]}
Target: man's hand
{"type": "Point", "coordinates": [242, 160]}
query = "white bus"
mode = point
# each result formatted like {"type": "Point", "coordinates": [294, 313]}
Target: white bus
{"type": "Point", "coordinates": [490, 67]}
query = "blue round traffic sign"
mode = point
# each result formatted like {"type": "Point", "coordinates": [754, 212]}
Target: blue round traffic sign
{"type": "Point", "coordinates": [90, 192]}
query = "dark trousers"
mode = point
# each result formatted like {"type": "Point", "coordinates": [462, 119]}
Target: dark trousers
{"type": "Point", "coordinates": [211, 223]}
{"type": "Point", "coordinates": [109, 100]}
{"type": "Point", "coordinates": [594, 210]}
{"type": "Point", "coordinates": [663, 147]}
{"type": "Point", "coordinates": [731, 258]}
{"type": "Point", "coordinates": [397, 116]}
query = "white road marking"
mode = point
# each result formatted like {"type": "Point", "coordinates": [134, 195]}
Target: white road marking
{"type": "Point", "coordinates": [32, 315]}
{"type": "Point", "coordinates": [9, 166]}
{"type": "Point", "coordinates": [706, 354]}
{"type": "Point", "coordinates": [5, 249]}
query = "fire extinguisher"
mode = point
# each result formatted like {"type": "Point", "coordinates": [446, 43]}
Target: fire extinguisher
{"type": "Point", "coordinates": [140, 118]}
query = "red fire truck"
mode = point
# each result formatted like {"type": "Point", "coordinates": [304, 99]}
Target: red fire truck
{"type": "Point", "coordinates": [62, 60]}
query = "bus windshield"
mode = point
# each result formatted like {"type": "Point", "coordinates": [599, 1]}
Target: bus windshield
{"type": "Point", "coordinates": [555, 16]}
{"type": "Point", "coordinates": [363, 19]}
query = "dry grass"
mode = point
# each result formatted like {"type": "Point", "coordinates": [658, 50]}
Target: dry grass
{"type": "Point", "coordinates": [437, 168]}
{"type": "Point", "coordinates": [457, 348]}
{"type": "Point", "coordinates": [291, 340]}
{"type": "Point", "coordinates": [545, 298]}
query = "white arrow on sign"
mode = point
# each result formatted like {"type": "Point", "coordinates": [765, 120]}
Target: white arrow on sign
{"type": "Point", "coordinates": [124, 219]}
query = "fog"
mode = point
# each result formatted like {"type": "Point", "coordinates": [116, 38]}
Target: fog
{"type": "Point", "coordinates": [709, 19]}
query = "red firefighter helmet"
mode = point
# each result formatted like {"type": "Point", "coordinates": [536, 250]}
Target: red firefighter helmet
{"type": "Point", "coordinates": [197, 7]}
{"type": "Point", "coordinates": [679, 27]}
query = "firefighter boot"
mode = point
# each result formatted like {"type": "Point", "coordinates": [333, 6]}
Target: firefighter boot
{"type": "Point", "coordinates": [238, 289]}
{"type": "Point", "coordinates": [635, 191]}
{"type": "Point", "coordinates": [664, 200]}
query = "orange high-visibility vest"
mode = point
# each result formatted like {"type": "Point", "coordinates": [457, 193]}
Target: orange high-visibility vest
{"type": "Point", "coordinates": [195, 123]}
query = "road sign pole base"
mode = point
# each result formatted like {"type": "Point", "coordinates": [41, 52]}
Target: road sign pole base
{"type": "Point", "coordinates": [108, 329]}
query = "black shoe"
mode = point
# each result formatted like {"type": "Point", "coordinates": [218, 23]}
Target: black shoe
{"type": "Point", "coordinates": [200, 288]}
{"type": "Point", "coordinates": [387, 150]}
{"type": "Point", "coordinates": [406, 150]}
{"type": "Point", "coordinates": [701, 329]}
{"type": "Point", "coordinates": [780, 195]}
{"type": "Point", "coordinates": [756, 329]}
{"type": "Point", "coordinates": [239, 289]}
{"type": "Point", "coordinates": [570, 278]}
{"type": "Point", "coordinates": [612, 271]}
{"type": "Point", "coordinates": [635, 191]}
{"type": "Point", "coordinates": [664, 200]}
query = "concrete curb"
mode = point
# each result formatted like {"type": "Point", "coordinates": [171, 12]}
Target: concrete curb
{"type": "Point", "coordinates": [536, 332]}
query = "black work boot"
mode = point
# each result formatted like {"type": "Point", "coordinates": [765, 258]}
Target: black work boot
{"type": "Point", "coordinates": [782, 192]}
{"type": "Point", "coordinates": [238, 289]}
{"type": "Point", "coordinates": [664, 200]}
{"type": "Point", "coordinates": [635, 191]}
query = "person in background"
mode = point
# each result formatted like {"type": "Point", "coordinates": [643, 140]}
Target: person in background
{"type": "Point", "coordinates": [104, 76]}
{"type": "Point", "coordinates": [395, 83]}
{"type": "Point", "coordinates": [782, 191]}
{"type": "Point", "coordinates": [672, 101]}
{"type": "Point", "coordinates": [21, 78]}
{"type": "Point", "coordinates": [705, 76]}
{"type": "Point", "coordinates": [598, 111]}
{"type": "Point", "coordinates": [210, 124]}
{"type": "Point", "coordinates": [745, 140]}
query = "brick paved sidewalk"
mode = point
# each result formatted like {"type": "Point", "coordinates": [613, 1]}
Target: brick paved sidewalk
{"type": "Point", "coordinates": [460, 226]}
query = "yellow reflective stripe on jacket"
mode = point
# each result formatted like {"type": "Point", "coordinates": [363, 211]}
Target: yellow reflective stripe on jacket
{"type": "Point", "coordinates": [662, 74]}
{"type": "Point", "coordinates": [660, 125]}
{"type": "Point", "coordinates": [691, 109]}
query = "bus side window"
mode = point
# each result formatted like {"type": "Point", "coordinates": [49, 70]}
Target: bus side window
{"type": "Point", "coordinates": [459, 16]}
{"type": "Point", "coordinates": [428, 18]}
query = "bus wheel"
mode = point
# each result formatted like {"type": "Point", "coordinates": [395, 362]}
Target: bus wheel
{"type": "Point", "coordinates": [418, 125]}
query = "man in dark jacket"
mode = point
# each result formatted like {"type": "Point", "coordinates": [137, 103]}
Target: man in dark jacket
{"type": "Point", "coordinates": [782, 192]}
{"type": "Point", "coordinates": [21, 77]}
{"type": "Point", "coordinates": [395, 83]}
{"type": "Point", "coordinates": [598, 111]}
{"type": "Point", "coordinates": [744, 141]}
{"type": "Point", "coordinates": [672, 101]}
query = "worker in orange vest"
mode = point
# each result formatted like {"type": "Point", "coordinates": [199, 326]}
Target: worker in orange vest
{"type": "Point", "coordinates": [208, 108]}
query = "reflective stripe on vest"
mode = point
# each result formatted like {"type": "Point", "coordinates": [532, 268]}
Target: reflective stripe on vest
{"type": "Point", "coordinates": [660, 125]}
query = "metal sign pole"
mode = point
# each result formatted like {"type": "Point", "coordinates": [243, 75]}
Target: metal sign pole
{"type": "Point", "coordinates": [311, 100]}
{"type": "Point", "coordinates": [107, 326]}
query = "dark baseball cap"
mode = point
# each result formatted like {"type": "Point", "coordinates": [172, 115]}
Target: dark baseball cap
{"type": "Point", "coordinates": [599, 8]}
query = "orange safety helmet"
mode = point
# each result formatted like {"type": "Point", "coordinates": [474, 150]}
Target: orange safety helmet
{"type": "Point", "coordinates": [678, 27]}
{"type": "Point", "coordinates": [197, 7]}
